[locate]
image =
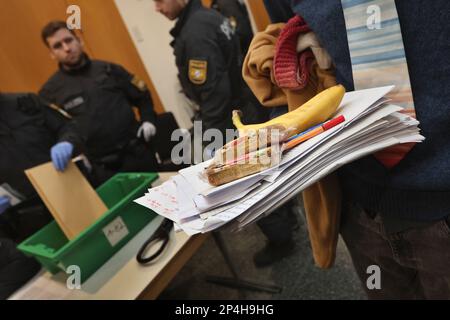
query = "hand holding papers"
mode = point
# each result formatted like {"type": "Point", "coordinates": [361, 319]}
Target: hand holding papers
{"type": "Point", "coordinates": [371, 124]}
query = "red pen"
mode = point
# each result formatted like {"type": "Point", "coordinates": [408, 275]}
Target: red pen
{"type": "Point", "coordinates": [314, 132]}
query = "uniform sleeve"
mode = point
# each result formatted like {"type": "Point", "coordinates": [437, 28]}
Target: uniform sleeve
{"type": "Point", "coordinates": [63, 128]}
{"type": "Point", "coordinates": [206, 76]}
{"type": "Point", "coordinates": [137, 93]}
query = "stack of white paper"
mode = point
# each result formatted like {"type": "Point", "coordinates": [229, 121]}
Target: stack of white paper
{"type": "Point", "coordinates": [371, 124]}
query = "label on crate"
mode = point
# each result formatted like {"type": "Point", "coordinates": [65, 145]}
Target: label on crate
{"type": "Point", "coordinates": [115, 231]}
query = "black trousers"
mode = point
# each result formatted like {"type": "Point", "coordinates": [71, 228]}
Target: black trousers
{"type": "Point", "coordinates": [25, 219]}
{"type": "Point", "coordinates": [277, 226]}
{"type": "Point", "coordinates": [138, 157]}
{"type": "Point", "coordinates": [17, 224]}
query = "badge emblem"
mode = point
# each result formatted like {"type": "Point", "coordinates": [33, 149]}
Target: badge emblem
{"type": "Point", "coordinates": [198, 71]}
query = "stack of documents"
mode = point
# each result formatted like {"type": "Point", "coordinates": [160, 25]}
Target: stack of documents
{"type": "Point", "coordinates": [371, 124]}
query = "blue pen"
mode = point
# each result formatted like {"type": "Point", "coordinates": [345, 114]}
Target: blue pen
{"type": "Point", "coordinates": [304, 132]}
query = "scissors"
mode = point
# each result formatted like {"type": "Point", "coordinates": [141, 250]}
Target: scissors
{"type": "Point", "coordinates": [161, 234]}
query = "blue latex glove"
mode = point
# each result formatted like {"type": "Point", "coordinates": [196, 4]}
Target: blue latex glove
{"type": "Point", "coordinates": [61, 154]}
{"type": "Point", "coordinates": [4, 204]}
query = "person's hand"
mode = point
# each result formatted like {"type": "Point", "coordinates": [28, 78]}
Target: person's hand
{"type": "Point", "coordinates": [147, 130]}
{"type": "Point", "coordinates": [61, 153]}
{"type": "Point", "coordinates": [5, 203]}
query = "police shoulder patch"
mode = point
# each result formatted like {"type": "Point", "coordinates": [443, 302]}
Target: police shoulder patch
{"type": "Point", "coordinates": [138, 83]}
{"type": "Point", "coordinates": [198, 70]}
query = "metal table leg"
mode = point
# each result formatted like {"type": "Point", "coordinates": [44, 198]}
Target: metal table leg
{"type": "Point", "coordinates": [236, 281]}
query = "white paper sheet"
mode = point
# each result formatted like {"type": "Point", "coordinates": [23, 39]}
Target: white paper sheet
{"type": "Point", "coordinates": [371, 124]}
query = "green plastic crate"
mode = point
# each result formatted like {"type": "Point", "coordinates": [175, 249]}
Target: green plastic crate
{"type": "Point", "coordinates": [91, 249]}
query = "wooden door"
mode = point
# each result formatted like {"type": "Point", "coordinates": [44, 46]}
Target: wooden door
{"type": "Point", "coordinates": [25, 63]}
{"type": "Point", "coordinates": [259, 14]}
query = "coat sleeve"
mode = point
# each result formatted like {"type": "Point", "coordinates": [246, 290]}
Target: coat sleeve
{"type": "Point", "coordinates": [63, 128]}
{"type": "Point", "coordinates": [205, 76]}
{"type": "Point", "coordinates": [136, 92]}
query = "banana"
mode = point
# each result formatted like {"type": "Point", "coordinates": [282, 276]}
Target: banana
{"type": "Point", "coordinates": [316, 110]}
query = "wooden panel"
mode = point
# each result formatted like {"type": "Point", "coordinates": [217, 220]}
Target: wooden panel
{"type": "Point", "coordinates": [259, 13]}
{"type": "Point", "coordinates": [207, 3]}
{"type": "Point", "coordinates": [25, 61]}
{"type": "Point", "coordinates": [162, 280]}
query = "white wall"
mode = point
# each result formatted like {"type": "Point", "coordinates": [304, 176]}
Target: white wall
{"type": "Point", "coordinates": [149, 31]}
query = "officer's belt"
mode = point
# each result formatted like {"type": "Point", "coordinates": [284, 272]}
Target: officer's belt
{"type": "Point", "coordinates": [117, 157]}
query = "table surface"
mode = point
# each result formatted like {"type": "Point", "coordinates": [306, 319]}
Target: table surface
{"type": "Point", "coordinates": [122, 277]}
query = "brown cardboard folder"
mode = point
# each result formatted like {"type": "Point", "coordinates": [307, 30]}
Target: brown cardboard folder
{"type": "Point", "coordinates": [68, 196]}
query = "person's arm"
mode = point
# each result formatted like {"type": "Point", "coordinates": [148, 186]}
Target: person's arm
{"type": "Point", "coordinates": [137, 93]}
{"type": "Point", "coordinates": [139, 96]}
{"type": "Point", "coordinates": [64, 129]}
{"type": "Point", "coordinates": [206, 75]}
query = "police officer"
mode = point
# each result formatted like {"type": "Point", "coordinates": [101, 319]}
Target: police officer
{"type": "Point", "coordinates": [208, 58]}
{"type": "Point", "coordinates": [236, 12]}
{"type": "Point", "coordinates": [31, 133]}
{"type": "Point", "coordinates": [207, 55]}
{"type": "Point", "coordinates": [100, 96]}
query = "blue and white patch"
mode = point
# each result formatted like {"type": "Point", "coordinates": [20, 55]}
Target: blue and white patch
{"type": "Point", "coordinates": [227, 29]}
